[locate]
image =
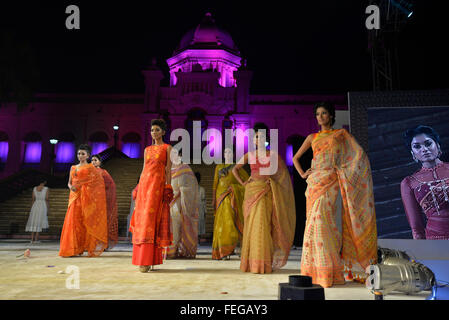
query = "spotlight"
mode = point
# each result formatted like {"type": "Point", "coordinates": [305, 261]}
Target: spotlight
{"type": "Point", "coordinates": [115, 127]}
{"type": "Point", "coordinates": [384, 253]}
{"type": "Point", "coordinates": [398, 274]}
{"type": "Point", "coordinates": [403, 6]}
{"type": "Point", "coordinates": [53, 141]}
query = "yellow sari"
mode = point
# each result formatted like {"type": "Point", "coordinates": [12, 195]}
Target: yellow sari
{"type": "Point", "coordinates": [269, 218]}
{"type": "Point", "coordinates": [228, 222]}
{"type": "Point", "coordinates": [339, 165]}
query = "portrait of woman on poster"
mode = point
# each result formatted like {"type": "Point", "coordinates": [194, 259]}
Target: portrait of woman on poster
{"type": "Point", "coordinates": [425, 193]}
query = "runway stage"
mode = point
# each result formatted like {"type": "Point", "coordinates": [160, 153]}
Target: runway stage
{"type": "Point", "coordinates": [46, 276]}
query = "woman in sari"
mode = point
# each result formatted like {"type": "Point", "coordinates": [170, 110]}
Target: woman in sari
{"type": "Point", "coordinates": [85, 224]}
{"type": "Point", "coordinates": [150, 222]}
{"type": "Point", "coordinates": [227, 202]}
{"type": "Point", "coordinates": [183, 209]}
{"type": "Point", "coordinates": [111, 202]}
{"type": "Point", "coordinates": [339, 165]}
{"type": "Point", "coordinates": [425, 193]}
{"type": "Point", "coordinates": [268, 209]}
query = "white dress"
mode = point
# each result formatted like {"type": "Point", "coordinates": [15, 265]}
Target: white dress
{"type": "Point", "coordinates": [38, 219]}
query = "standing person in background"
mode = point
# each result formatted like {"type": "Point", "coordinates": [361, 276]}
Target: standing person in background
{"type": "Point", "coordinates": [202, 208]}
{"type": "Point", "coordinates": [150, 222]}
{"type": "Point", "coordinates": [111, 200]}
{"type": "Point", "coordinates": [183, 209]}
{"type": "Point", "coordinates": [227, 202]}
{"type": "Point", "coordinates": [339, 165]}
{"type": "Point", "coordinates": [38, 219]}
{"type": "Point", "coordinates": [86, 222]}
{"type": "Point", "coordinates": [268, 208]}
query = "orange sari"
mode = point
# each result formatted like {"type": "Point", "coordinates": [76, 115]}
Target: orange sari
{"type": "Point", "coordinates": [150, 221]}
{"type": "Point", "coordinates": [85, 224]}
{"type": "Point", "coordinates": [111, 202]}
{"type": "Point", "coordinates": [339, 165]}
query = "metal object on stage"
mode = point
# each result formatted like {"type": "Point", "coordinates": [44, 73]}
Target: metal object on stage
{"type": "Point", "coordinates": [439, 292]}
{"type": "Point", "coordinates": [300, 288]}
{"type": "Point", "coordinates": [397, 274]}
{"type": "Point", "coordinates": [384, 253]}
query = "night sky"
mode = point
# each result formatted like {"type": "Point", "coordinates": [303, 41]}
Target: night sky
{"type": "Point", "coordinates": [293, 47]}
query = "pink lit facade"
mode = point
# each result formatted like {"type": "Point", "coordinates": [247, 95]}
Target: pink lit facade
{"type": "Point", "coordinates": [208, 83]}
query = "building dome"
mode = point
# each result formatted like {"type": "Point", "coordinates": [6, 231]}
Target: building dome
{"type": "Point", "coordinates": [207, 36]}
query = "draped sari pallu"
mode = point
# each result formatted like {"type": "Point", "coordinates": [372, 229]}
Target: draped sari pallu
{"type": "Point", "coordinates": [111, 202]}
{"type": "Point", "coordinates": [184, 212]}
{"type": "Point", "coordinates": [339, 165]}
{"type": "Point", "coordinates": [228, 222]}
{"type": "Point", "coordinates": [269, 219]}
{"type": "Point", "coordinates": [150, 221]}
{"type": "Point", "coordinates": [85, 225]}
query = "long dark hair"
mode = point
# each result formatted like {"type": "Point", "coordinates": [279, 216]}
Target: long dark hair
{"type": "Point", "coordinates": [411, 133]}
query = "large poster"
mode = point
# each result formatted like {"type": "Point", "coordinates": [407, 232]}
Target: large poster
{"type": "Point", "coordinates": [409, 154]}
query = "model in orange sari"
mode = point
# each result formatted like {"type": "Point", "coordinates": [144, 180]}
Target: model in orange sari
{"type": "Point", "coordinates": [85, 224]}
{"type": "Point", "coordinates": [339, 165]}
{"type": "Point", "coordinates": [150, 222]}
{"type": "Point", "coordinates": [268, 210]}
{"type": "Point", "coordinates": [111, 202]}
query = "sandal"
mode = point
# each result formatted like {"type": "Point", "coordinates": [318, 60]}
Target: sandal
{"type": "Point", "coordinates": [144, 269]}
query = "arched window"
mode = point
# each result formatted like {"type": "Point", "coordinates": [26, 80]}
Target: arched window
{"type": "Point", "coordinates": [4, 148]}
{"type": "Point", "coordinates": [32, 150]}
{"type": "Point", "coordinates": [196, 114]}
{"type": "Point", "coordinates": [98, 141]}
{"type": "Point", "coordinates": [65, 148]}
{"type": "Point", "coordinates": [131, 144]}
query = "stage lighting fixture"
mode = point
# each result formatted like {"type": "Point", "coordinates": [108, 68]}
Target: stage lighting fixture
{"type": "Point", "coordinates": [439, 292]}
{"type": "Point", "coordinates": [384, 253]}
{"type": "Point", "coordinates": [398, 274]}
{"type": "Point", "coordinates": [403, 6]}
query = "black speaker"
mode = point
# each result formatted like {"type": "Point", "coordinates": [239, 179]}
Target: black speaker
{"type": "Point", "coordinates": [300, 288]}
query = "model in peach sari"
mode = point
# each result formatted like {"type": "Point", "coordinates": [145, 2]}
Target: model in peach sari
{"type": "Point", "coordinates": [339, 165]}
{"type": "Point", "coordinates": [85, 224]}
{"type": "Point", "coordinates": [269, 213]}
{"type": "Point", "coordinates": [111, 202]}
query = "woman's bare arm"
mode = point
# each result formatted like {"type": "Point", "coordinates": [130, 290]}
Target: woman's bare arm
{"type": "Point", "coordinates": [304, 147]}
{"type": "Point", "coordinates": [240, 164]}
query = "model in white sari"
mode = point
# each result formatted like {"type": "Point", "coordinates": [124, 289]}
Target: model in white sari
{"type": "Point", "coordinates": [183, 210]}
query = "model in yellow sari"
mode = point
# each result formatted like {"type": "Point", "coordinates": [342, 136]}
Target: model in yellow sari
{"type": "Point", "coordinates": [339, 165]}
{"type": "Point", "coordinates": [268, 210]}
{"type": "Point", "coordinates": [227, 202]}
